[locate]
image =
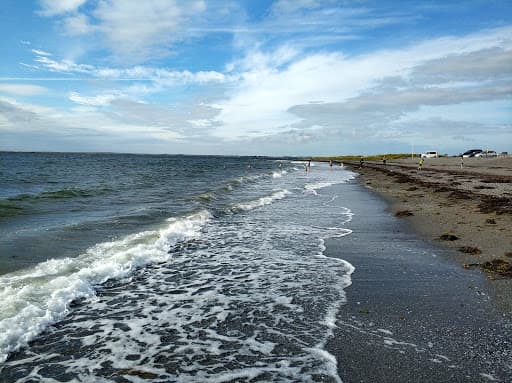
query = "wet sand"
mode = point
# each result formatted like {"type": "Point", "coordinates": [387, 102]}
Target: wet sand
{"type": "Point", "coordinates": [412, 313]}
{"type": "Point", "coordinates": [467, 210]}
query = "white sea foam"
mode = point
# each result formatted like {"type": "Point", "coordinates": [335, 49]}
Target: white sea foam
{"type": "Point", "coordinates": [35, 298]}
{"type": "Point", "coordinates": [262, 201]}
{"type": "Point", "coordinates": [279, 174]}
{"type": "Point", "coordinates": [312, 187]}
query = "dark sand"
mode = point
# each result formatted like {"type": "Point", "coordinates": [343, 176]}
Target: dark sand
{"type": "Point", "coordinates": [413, 314]}
{"type": "Point", "coordinates": [471, 205]}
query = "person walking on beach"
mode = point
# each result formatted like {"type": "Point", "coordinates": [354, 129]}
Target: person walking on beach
{"type": "Point", "coordinates": [420, 163]}
{"type": "Point", "coordinates": [461, 161]}
{"type": "Point", "coordinates": [361, 162]}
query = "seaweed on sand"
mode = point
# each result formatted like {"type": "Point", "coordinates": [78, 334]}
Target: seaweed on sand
{"type": "Point", "coordinates": [403, 213]}
{"type": "Point", "coordinates": [470, 250]}
{"type": "Point", "coordinates": [498, 266]}
{"type": "Point", "coordinates": [498, 205]}
{"type": "Point", "coordinates": [457, 194]}
{"type": "Point", "coordinates": [448, 237]}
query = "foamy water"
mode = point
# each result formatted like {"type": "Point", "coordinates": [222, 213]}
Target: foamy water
{"type": "Point", "coordinates": [247, 296]}
{"type": "Point", "coordinates": [35, 298]}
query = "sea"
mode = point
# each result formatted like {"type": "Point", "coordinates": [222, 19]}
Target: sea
{"type": "Point", "coordinates": [129, 268]}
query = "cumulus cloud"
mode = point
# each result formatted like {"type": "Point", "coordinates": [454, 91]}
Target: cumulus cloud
{"type": "Point", "coordinates": [286, 93]}
{"type": "Point", "coordinates": [134, 31]}
{"type": "Point", "coordinates": [188, 120]}
{"type": "Point", "coordinates": [126, 122]}
{"type": "Point", "coordinates": [486, 64]}
{"type": "Point", "coordinates": [138, 27]}
{"type": "Point", "coordinates": [77, 25]}
{"type": "Point", "coordinates": [58, 7]}
{"type": "Point", "coordinates": [374, 89]}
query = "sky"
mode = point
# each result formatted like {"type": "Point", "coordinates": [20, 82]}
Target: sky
{"type": "Point", "coordinates": [255, 77]}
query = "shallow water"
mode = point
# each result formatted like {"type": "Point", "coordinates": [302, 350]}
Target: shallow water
{"type": "Point", "coordinates": [231, 286]}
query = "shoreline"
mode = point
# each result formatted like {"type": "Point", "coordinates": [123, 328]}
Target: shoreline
{"type": "Point", "coordinates": [412, 313]}
{"type": "Point", "coordinates": [466, 211]}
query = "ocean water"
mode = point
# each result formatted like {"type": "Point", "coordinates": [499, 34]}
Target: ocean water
{"type": "Point", "coordinates": [170, 268]}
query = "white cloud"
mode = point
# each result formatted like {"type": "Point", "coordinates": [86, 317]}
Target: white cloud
{"type": "Point", "coordinates": [64, 66]}
{"type": "Point", "coordinates": [58, 7]}
{"type": "Point", "coordinates": [41, 53]}
{"type": "Point", "coordinates": [162, 76]}
{"type": "Point", "coordinates": [99, 100]}
{"type": "Point", "coordinates": [78, 25]}
{"type": "Point", "coordinates": [265, 98]}
{"type": "Point", "coordinates": [22, 89]}
{"type": "Point", "coordinates": [84, 124]}
{"type": "Point", "coordinates": [135, 30]}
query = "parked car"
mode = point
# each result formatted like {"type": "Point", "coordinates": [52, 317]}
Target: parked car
{"type": "Point", "coordinates": [487, 153]}
{"type": "Point", "coordinates": [472, 153]}
{"type": "Point", "coordinates": [430, 154]}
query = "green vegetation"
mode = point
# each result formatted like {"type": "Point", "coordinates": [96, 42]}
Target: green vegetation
{"type": "Point", "coordinates": [373, 157]}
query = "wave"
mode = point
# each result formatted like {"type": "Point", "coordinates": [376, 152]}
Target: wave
{"type": "Point", "coordinates": [35, 298]}
{"type": "Point", "coordinates": [262, 201]}
{"type": "Point", "coordinates": [279, 174]}
{"type": "Point", "coordinates": [58, 194]}
{"type": "Point", "coordinates": [313, 187]}
{"type": "Point", "coordinates": [208, 196]}
{"type": "Point", "coordinates": [18, 204]}
{"type": "Point", "coordinates": [317, 185]}
{"type": "Point", "coordinates": [9, 209]}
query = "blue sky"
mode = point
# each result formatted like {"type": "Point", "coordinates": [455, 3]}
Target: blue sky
{"type": "Point", "coordinates": [258, 77]}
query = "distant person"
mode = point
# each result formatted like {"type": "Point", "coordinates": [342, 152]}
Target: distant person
{"type": "Point", "coordinates": [461, 161]}
{"type": "Point", "coordinates": [309, 165]}
{"type": "Point", "coordinates": [330, 164]}
{"type": "Point", "coordinates": [361, 162]}
{"type": "Point", "coordinates": [341, 164]}
{"type": "Point", "coordinates": [420, 163]}
{"type": "Point", "coordinates": [384, 161]}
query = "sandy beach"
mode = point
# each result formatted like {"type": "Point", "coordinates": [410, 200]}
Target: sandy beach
{"type": "Point", "coordinates": [466, 209]}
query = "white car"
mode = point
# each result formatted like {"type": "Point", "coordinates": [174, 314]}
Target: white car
{"type": "Point", "coordinates": [431, 154]}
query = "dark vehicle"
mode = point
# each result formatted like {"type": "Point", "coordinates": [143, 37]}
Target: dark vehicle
{"type": "Point", "coordinates": [472, 153]}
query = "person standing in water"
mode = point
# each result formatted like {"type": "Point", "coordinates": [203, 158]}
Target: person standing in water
{"type": "Point", "coordinates": [330, 164]}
